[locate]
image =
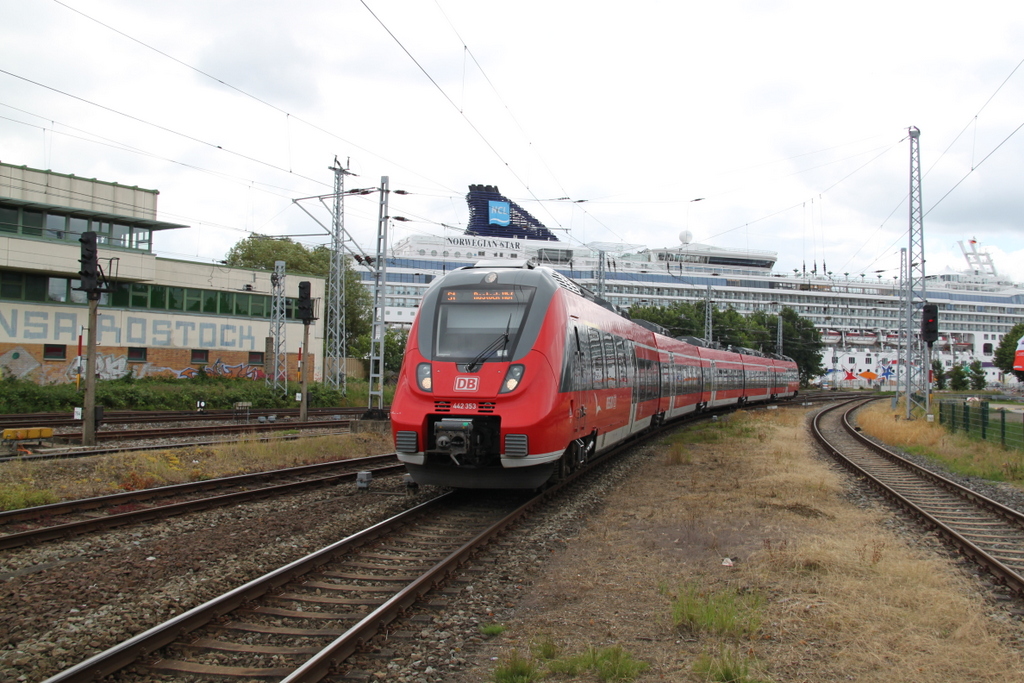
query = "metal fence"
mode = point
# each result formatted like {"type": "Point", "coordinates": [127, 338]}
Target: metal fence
{"type": "Point", "coordinates": [979, 421]}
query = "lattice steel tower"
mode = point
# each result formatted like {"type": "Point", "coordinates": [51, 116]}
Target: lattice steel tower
{"type": "Point", "coordinates": [379, 283]}
{"type": "Point", "coordinates": [336, 331]}
{"type": "Point", "coordinates": [914, 295]}
{"type": "Point", "coordinates": [708, 329]}
{"type": "Point", "coordinates": [277, 364]}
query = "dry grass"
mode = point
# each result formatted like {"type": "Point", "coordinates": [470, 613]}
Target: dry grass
{"type": "Point", "coordinates": [100, 475]}
{"type": "Point", "coordinates": [844, 597]}
{"type": "Point", "coordinates": [958, 452]}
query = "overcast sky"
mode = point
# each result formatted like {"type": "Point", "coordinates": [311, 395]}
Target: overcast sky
{"type": "Point", "coordinates": [787, 120]}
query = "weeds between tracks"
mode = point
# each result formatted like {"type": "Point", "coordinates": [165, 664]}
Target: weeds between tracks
{"type": "Point", "coordinates": [26, 483]}
{"type": "Point", "coordinates": [957, 452]}
{"type": "Point", "coordinates": [822, 583]}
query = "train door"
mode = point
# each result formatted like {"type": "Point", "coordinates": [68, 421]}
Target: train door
{"type": "Point", "coordinates": [581, 382]}
{"type": "Point", "coordinates": [634, 379]}
{"type": "Point", "coordinates": [713, 384]}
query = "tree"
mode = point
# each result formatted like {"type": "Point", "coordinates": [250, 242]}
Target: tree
{"type": "Point", "coordinates": [259, 252]}
{"type": "Point", "coordinates": [939, 374]}
{"type": "Point", "coordinates": [976, 375]}
{"type": "Point", "coordinates": [801, 341]}
{"type": "Point", "coordinates": [958, 378]}
{"type": "Point", "coordinates": [395, 339]}
{"type": "Point", "coordinates": [1007, 349]}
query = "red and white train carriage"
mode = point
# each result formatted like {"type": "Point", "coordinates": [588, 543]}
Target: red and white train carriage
{"type": "Point", "coordinates": [514, 374]}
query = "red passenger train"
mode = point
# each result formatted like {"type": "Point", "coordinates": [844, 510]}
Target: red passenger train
{"type": "Point", "coordinates": [513, 375]}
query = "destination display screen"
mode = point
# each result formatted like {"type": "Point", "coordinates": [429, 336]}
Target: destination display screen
{"type": "Point", "coordinates": [495, 295]}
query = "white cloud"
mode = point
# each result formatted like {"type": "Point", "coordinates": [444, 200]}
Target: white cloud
{"type": "Point", "coordinates": [774, 115]}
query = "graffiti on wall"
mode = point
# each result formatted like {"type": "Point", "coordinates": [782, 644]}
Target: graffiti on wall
{"type": "Point", "coordinates": [22, 364]}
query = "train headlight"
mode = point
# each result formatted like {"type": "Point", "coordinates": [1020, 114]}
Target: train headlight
{"type": "Point", "coordinates": [512, 378]}
{"type": "Point", "coordinates": [423, 378]}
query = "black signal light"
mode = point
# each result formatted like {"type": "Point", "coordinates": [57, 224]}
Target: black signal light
{"type": "Point", "coordinates": [930, 323]}
{"type": "Point", "coordinates": [305, 302]}
{"type": "Point", "coordinates": [89, 274]}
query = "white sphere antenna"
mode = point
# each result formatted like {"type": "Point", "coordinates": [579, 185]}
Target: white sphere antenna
{"type": "Point", "coordinates": [686, 237]}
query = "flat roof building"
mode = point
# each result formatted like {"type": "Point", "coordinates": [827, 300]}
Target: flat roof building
{"type": "Point", "coordinates": [162, 316]}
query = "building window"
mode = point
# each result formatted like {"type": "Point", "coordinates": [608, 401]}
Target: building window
{"type": "Point", "coordinates": [200, 356]}
{"type": "Point", "coordinates": [55, 352]}
{"type": "Point", "coordinates": [255, 358]}
{"type": "Point", "coordinates": [136, 354]}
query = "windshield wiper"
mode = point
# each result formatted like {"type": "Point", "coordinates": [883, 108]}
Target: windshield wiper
{"type": "Point", "coordinates": [502, 339]}
{"type": "Point", "coordinates": [490, 348]}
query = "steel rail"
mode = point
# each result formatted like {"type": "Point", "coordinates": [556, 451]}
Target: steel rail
{"type": "Point", "coordinates": [349, 641]}
{"type": "Point", "coordinates": [1001, 572]}
{"type": "Point", "coordinates": [321, 664]}
{"type": "Point", "coordinates": [69, 529]}
{"type": "Point", "coordinates": [81, 452]}
{"type": "Point", "coordinates": [124, 654]}
{"type": "Point", "coordinates": [130, 434]}
{"type": "Point", "coordinates": [26, 420]}
{"type": "Point", "coordinates": [70, 506]}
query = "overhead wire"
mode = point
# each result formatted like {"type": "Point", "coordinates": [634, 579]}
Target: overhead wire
{"type": "Point", "coordinates": [241, 91]}
{"type": "Point", "coordinates": [159, 126]}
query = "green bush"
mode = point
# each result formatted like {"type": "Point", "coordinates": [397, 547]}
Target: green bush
{"type": "Point", "coordinates": [153, 393]}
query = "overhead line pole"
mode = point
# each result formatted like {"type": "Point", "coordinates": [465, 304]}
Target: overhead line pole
{"type": "Point", "coordinates": [917, 375]}
{"type": "Point", "coordinates": [378, 330]}
{"type": "Point", "coordinates": [335, 374]}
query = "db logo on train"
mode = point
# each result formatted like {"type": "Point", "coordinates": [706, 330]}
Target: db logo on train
{"type": "Point", "coordinates": [467, 383]}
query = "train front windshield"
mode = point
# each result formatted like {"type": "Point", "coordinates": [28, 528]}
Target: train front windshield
{"type": "Point", "coordinates": [477, 325]}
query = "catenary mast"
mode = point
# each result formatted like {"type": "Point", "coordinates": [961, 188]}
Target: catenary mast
{"type": "Point", "coordinates": [915, 359]}
{"type": "Point", "coordinates": [335, 323]}
{"type": "Point", "coordinates": [277, 375]}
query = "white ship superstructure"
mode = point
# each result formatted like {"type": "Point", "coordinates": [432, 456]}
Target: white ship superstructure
{"type": "Point", "coordinates": [859, 316]}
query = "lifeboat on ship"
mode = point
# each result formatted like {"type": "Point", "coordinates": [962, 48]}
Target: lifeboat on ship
{"type": "Point", "coordinates": [861, 338]}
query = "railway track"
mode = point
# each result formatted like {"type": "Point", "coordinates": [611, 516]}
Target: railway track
{"type": "Point", "coordinates": [63, 419]}
{"type": "Point", "coordinates": [120, 447]}
{"type": "Point", "coordinates": [990, 533]}
{"type": "Point", "coordinates": [303, 620]}
{"type": "Point", "coordinates": [63, 520]}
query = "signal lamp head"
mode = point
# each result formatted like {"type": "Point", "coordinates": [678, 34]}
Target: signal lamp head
{"type": "Point", "coordinates": [423, 377]}
{"type": "Point", "coordinates": [512, 378]}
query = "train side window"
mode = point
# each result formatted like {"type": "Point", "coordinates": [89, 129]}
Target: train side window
{"type": "Point", "coordinates": [570, 361]}
{"type": "Point", "coordinates": [597, 358]}
{"type": "Point", "coordinates": [611, 374]}
{"type": "Point", "coordinates": [620, 361]}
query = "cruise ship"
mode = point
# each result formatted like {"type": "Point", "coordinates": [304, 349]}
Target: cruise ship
{"type": "Point", "coordinates": [859, 316]}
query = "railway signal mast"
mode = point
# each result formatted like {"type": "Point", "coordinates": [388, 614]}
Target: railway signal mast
{"type": "Point", "coordinates": [307, 315]}
{"type": "Point", "coordinates": [90, 282]}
